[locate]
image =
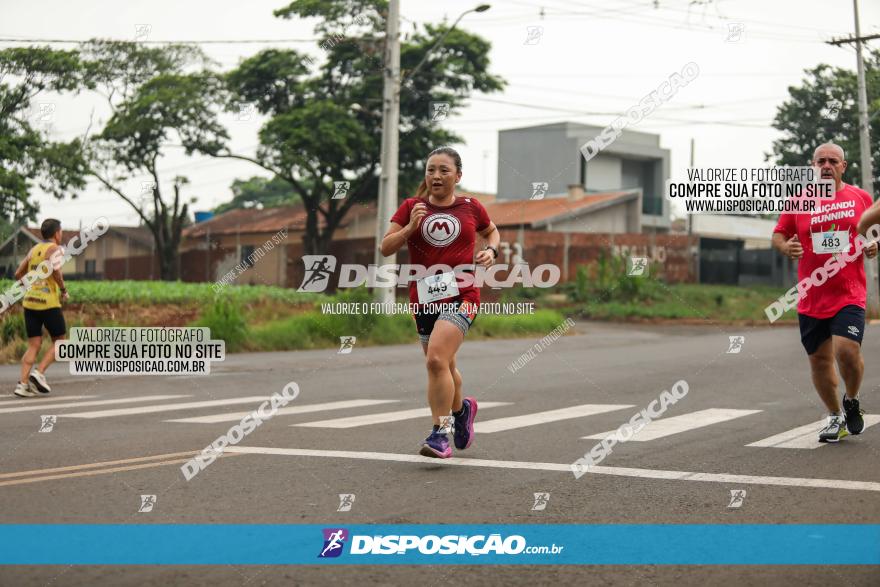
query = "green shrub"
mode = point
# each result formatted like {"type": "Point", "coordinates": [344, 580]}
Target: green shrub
{"type": "Point", "coordinates": [317, 330]}
{"type": "Point", "coordinates": [500, 326]}
{"type": "Point", "coordinates": [226, 322]}
{"type": "Point", "coordinates": [579, 289]}
{"type": "Point", "coordinates": [175, 292]}
{"type": "Point", "coordinates": [607, 280]}
{"type": "Point", "coordinates": [518, 294]}
{"type": "Point", "coordinates": [12, 327]}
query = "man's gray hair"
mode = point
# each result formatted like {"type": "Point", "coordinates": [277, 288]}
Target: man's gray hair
{"type": "Point", "coordinates": [830, 144]}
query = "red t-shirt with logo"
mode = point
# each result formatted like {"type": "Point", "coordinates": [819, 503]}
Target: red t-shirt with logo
{"type": "Point", "coordinates": [446, 236]}
{"type": "Point", "coordinates": [848, 287]}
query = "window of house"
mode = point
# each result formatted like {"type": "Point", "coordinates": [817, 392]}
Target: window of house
{"type": "Point", "coordinates": [247, 251]}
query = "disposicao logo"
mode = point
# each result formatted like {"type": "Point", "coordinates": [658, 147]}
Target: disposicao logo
{"type": "Point", "coordinates": [432, 544]}
{"type": "Point", "coordinates": [334, 540]}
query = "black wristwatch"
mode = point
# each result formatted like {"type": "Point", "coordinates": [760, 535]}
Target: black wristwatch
{"type": "Point", "coordinates": [493, 249]}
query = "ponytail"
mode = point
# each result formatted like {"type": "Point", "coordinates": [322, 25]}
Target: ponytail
{"type": "Point", "coordinates": [422, 191]}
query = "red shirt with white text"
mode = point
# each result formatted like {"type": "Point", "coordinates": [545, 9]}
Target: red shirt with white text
{"type": "Point", "coordinates": [848, 287]}
{"type": "Point", "coordinates": [445, 236]}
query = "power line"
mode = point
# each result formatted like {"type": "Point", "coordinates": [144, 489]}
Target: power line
{"type": "Point", "coordinates": [636, 99]}
{"type": "Point", "coordinates": [617, 113]}
{"type": "Point", "coordinates": [655, 21]}
{"type": "Point", "coordinates": [757, 123]}
{"type": "Point", "coordinates": [629, 8]}
{"type": "Point", "coordinates": [849, 40]}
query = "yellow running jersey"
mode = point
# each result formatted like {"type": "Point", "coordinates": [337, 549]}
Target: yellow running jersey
{"type": "Point", "coordinates": [43, 293]}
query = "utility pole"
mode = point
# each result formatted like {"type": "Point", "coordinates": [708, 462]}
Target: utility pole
{"type": "Point", "coordinates": [389, 162]}
{"type": "Point", "coordinates": [873, 309]}
{"type": "Point", "coordinates": [695, 259]}
{"type": "Point", "coordinates": [690, 217]}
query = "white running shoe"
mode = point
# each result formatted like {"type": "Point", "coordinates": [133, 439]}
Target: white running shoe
{"type": "Point", "coordinates": [39, 381]}
{"type": "Point", "coordinates": [834, 430]}
{"type": "Point", "coordinates": [24, 390]}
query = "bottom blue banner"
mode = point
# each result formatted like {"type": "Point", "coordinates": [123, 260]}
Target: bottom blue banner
{"type": "Point", "coordinates": [607, 544]}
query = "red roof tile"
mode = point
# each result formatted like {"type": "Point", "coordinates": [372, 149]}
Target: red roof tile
{"type": "Point", "coordinates": [138, 234]}
{"type": "Point", "coordinates": [267, 220]}
{"type": "Point", "coordinates": [527, 212]}
{"type": "Point", "coordinates": [66, 235]}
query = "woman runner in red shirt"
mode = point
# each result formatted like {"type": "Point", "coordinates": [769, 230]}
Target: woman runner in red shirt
{"type": "Point", "coordinates": [440, 228]}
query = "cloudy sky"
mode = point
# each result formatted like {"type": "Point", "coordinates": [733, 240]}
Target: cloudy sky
{"type": "Point", "coordinates": [561, 59]}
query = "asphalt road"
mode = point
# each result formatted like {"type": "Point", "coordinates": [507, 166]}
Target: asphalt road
{"type": "Point", "coordinates": [107, 460]}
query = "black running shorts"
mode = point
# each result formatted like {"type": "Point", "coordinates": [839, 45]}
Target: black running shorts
{"type": "Point", "coordinates": [849, 322]}
{"type": "Point", "coordinates": [52, 319]}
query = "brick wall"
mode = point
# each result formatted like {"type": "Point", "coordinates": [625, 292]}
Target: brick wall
{"type": "Point", "coordinates": [671, 253]}
{"type": "Point", "coordinates": [197, 265]}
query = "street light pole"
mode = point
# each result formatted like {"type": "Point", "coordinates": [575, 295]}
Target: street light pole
{"type": "Point", "coordinates": [480, 8]}
{"type": "Point", "coordinates": [389, 162]}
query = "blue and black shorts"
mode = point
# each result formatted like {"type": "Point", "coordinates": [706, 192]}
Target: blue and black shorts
{"type": "Point", "coordinates": [849, 322]}
{"type": "Point", "coordinates": [461, 313]}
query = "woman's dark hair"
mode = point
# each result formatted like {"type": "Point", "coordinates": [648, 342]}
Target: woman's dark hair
{"type": "Point", "coordinates": [422, 191]}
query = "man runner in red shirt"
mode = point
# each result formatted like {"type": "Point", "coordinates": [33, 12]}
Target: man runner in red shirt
{"type": "Point", "coordinates": [831, 315]}
{"type": "Point", "coordinates": [440, 228]}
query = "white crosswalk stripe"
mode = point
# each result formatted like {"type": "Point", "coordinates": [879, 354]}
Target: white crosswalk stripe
{"type": "Point", "coordinates": [338, 405]}
{"type": "Point", "coordinates": [725, 478]}
{"type": "Point", "coordinates": [801, 437]}
{"type": "Point", "coordinates": [523, 421]}
{"type": "Point", "coordinates": [40, 405]}
{"type": "Point", "coordinates": [806, 437]}
{"type": "Point", "coordinates": [668, 426]}
{"type": "Point", "coordinates": [11, 399]}
{"type": "Point", "coordinates": [384, 417]}
{"type": "Point", "coordinates": [255, 399]}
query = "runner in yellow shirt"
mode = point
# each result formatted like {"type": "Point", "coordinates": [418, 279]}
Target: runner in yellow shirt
{"type": "Point", "coordinates": [42, 307]}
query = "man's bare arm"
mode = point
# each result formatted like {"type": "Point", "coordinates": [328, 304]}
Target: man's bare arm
{"type": "Point", "coordinates": [22, 268]}
{"type": "Point", "coordinates": [869, 218]}
{"type": "Point", "coordinates": [53, 256]}
{"type": "Point", "coordinates": [791, 247]}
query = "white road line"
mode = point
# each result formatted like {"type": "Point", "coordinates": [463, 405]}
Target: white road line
{"type": "Point", "coordinates": [101, 402]}
{"type": "Point", "coordinates": [804, 436]}
{"type": "Point", "coordinates": [340, 405]}
{"type": "Point", "coordinates": [561, 467]}
{"type": "Point", "coordinates": [499, 424]}
{"type": "Point", "coordinates": [43, 399]}
{"type": "Point", "coordinates": [255, 399]}
{"type": "Point", "coordinates": [669, 426]}
{"type": "Point", "coordinates": [383, 417]}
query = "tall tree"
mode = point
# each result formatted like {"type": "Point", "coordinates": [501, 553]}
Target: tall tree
{"type": "Point", "coordinates": [157, 101]}
{"type": "Point", "coordinates": [324, 120]}
{"type": "Point", "coordinates": [825, 108]}
{"type": "Point", "coordinates": [28, 156]}
{"type": "Point", "coordinates": [259, 192]}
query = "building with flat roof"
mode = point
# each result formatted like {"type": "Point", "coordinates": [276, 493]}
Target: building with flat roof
{"type": "Point", "coordinates": [550, 156]}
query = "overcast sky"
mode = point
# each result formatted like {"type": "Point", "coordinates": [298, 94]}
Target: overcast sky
{"type": "Point", "coordinates": [595, 56]}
